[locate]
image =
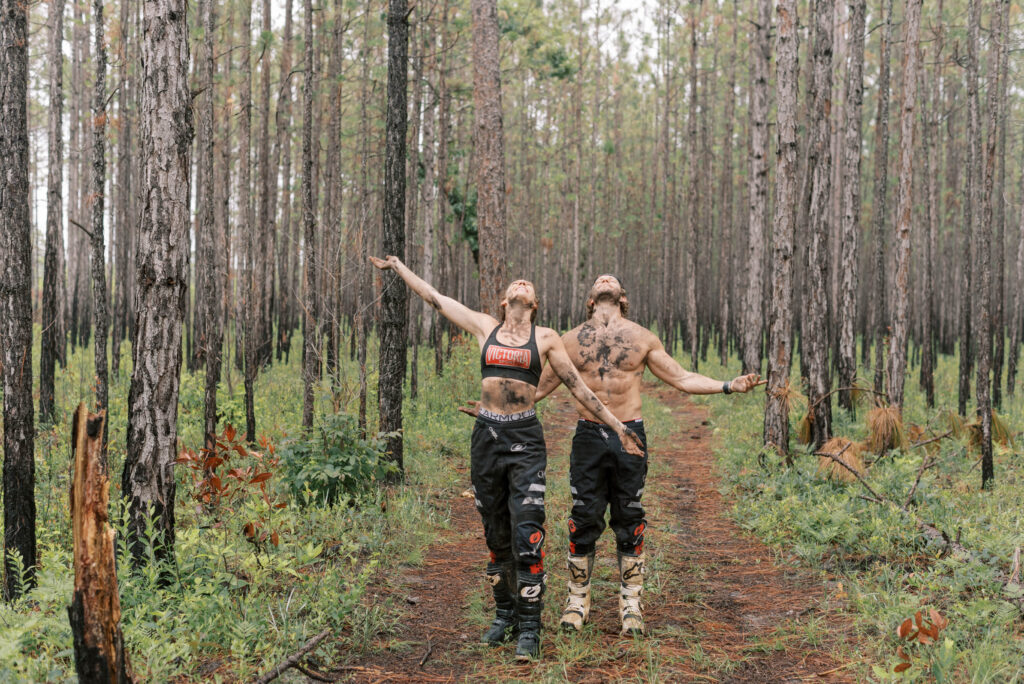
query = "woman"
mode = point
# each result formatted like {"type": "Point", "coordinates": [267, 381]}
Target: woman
{"type": "Point", "coordinates": [508, 456]}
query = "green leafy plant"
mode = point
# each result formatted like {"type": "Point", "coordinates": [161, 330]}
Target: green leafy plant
{"type": "Point", "coordinates": [334, 461]}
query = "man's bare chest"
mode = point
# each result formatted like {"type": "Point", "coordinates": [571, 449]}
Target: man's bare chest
{"type": "Point", "coordinates": [602, 351]}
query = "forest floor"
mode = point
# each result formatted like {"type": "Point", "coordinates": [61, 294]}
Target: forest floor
{"type": "Point", "coordinates": [718, 605]}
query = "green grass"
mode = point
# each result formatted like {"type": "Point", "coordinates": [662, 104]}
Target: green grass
{"type": "Point", "coordinates": [233, 610]}
{"type": "Point", "coordinates": [887, 569]}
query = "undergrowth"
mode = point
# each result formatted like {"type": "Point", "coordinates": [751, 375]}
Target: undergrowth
{"type": "Point", "coordinates": [879, 566]}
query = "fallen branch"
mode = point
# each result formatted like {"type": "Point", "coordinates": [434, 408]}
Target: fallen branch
{"type": "Point", "coordinates": [846, 389]}
{"type": "Point", "coordinates": [929, 441]}
{"type": "Point", "coordinates": [313, 674]}
{"type": "Point", "coordinates": [835, 457]}
{"type": "Point", "coordinates": [293, 660]}
{"type": "Point", "coordinates": [426, 656]}
{"type": "Point", "coordinates": [1015, 568]}
{"type": "Point", "coordinates": [920, 472]}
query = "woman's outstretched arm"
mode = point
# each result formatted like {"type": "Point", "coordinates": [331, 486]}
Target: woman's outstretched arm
{"type": "Point", "coordinates": [475, 322]}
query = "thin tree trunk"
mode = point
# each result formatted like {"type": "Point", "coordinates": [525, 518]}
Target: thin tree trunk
{"type": "Point", "coordinates": [1018, 304]}
{"type": "Point", "coordinates": [124, 222]}
{"type": "Point", "coordinates": [394, 313]}
{"type": "Point", "coordinates": [846, 311]}
{"type": "Point", "coordinates": [16, 301]}
{"type": "Point", "coordinates": [249, 304]}
{"type": "Point", "coordinates": [364, 215]}
{"type": "Point", "coordinates": [879, 194]}
{"type": "Point", "coordinates": [814, 342]}
{"type": "Point", "coordinates": [209, 237]}
{"type": "Point", "coordinates": [99, 176]}
{"type": "Point", "coordinates": [310, 357]}
{"type": "Point", "coordinates": [282, 152]}
{"type": "Point", "coordinates": [776, 416]}
{"type": "Point", "coordinates": [725, 271]}
{"type": "Point", "coordinates": [162, 265]}
{"type": "Point", "coordinates": [693, 198]}
{"type": "Point", "coordinates": [1002, 9]}
{"type": "Point", "coordinates": [971, 203]}
{"type": "Point", "coordinates": [53, 338]}
{"type": "Point", "coordinates": [264, 275]}
{"type": "Point", "coordinates": [758, 228]}
{"type": "Point", "coordinates": [983, 237]}
{"type": "Point", "coordinates": [489, 153]}
{"type": "Point", "coordinates": [904, 207]}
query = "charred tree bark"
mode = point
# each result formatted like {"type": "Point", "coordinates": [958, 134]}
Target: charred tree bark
{"type": "Point", "coordinates": [394, 323]}
{"type": "Point", "coordinates": [846, 312]}
{"type": "Point", "coordinates": [54, 285]}
{"type": "Point", "coordinates": [95, 610]}
{"type": "Point", "coordinates": [780, 327]}
{"type": "Point", "coordinates": [16, 300]}
{"type": "Point", "coordinates": [162, 266]}
{"type": "Point", "coordinates": [99, 176]}
{"type": "Point", "coordinates": [904, 207]}
{"type": "Point", "coordinates": [972, 199]}
{"type": "Point", "coordinates": [752, 308]}
{"type": "Point", "coordinates": [489, 153]}
{"type": "Point", "coordinates": [310, 357]}
{"type": "Point", "coordinates": [209, 238]}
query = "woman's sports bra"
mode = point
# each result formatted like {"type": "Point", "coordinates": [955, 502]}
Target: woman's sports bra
{"type": "Point", "coordinates": [518, 363]}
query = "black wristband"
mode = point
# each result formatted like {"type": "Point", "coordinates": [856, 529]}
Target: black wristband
{"type": "Point", "coordinates": [725, 388]}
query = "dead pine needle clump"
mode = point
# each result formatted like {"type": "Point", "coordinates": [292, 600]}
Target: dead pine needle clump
{"type": "Point", "coordinates": [846, 451]}
{"type": "Point", "coordinates": [885, 429]}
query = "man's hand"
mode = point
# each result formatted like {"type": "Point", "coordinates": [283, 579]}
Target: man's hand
{"type": "Point", "coordinates": [473, 409]}
{"type": "Point", "coordinates": [745, 383]}
{"type": "Point", "coordinates": [631, 442]}
{"type": "Point", "coordinates": [390, 262]}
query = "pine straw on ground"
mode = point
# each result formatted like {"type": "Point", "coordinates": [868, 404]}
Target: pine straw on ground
{"type": "Point", "coordinates": [846, 451]}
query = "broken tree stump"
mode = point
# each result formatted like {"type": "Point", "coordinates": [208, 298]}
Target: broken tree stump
{"type": "Point", "coordinates": [95, 610]}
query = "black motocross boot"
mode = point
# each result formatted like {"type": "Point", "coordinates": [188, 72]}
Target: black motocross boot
{"type": "Point", "coordinates": [502, 577]}
{"type": "Point", "coordinates": [529, 605]}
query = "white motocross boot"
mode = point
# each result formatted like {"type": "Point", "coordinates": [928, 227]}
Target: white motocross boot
{"type": "Point", "coordinates": [577, 605]}
{"type": "Point", "coordinates": [631, 573]}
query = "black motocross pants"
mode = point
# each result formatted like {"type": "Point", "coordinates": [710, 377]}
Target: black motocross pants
{"type": "Point", "coordinates": [601, 473]}
{"type": "Point", "coordinates": [507, 463]}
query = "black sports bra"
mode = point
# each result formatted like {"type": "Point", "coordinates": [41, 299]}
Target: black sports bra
{"type": "Point", "coordinates": [518, 363]}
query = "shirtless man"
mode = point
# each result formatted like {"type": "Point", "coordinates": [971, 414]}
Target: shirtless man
{"type": "Point", "coordinates": [508, 456]}
{"type": "Point", "coordinates": [611, 354]}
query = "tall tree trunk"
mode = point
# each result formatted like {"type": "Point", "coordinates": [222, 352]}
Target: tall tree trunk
{"type": "Point", "coordinates": [428, 189]}
{"type": "Point", "coordinates": [310, 356]}
{"type": "Point", "coordinates": [209, 238]}
{"type": "Point", "coordinates": [16, 300]}
{"type": "Point", "coordinates": [99, 176]}
{"type": "Point", "coordinates": [968, 329]}
{"type": "Point", "coordinates": [1018, 302]}
{"type": "Point", "coordinates": [780, 327]}
{"type": "Point", "coordinates": [758, 228]}
{"type": "Point", "coordinates": [846, 311]}
{"type": "Point", "coordinates": [814, 342]}
{"type": "Point", "coordinates": [267, 235]}
{"type": "Point", "coordinates": [283, 153]}
{"type": "Point", "coordinates": [904, 207]}
{"type": "Point", "coordinates": [725, 270]}
{"type": "Point", "coordinates": [249, 295]}
{"type": "Point", "coordinates": [394, 314]}
{"type": "Point", "coordinates": [879, 194]}
{"type": "Point", "coordinates": [162, 266]}
{"type": "Point", "coordinates": [489, 153]}
{"type": "Point", "coordinates": [1002, 9]}
{"type": "Point", "coordinates": [692, 217]}
{"type": "Point", "coordinates": [983, 237]}
{"type": "Point", "coordinates": [53, 337]}
{"type": "Point", "coordinates": [125, 219]}
{"type": "Point", "coordinates": [364, 216]}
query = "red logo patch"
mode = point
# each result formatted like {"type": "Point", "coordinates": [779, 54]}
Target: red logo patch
{"type": "Point", "coordinates": [507, 356]}
{"type": "Point", "coordinates": [572, 525]}
{"type": "Point", "coordinates": [494, 557]}
{"type": "Point", "coordinates": [639, 530]}
{"type": "Point", "coordinates": [536, 537]}
{"type": "Point", "coordinates": [572, 548]}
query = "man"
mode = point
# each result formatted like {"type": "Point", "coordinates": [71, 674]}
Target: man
{"type": "Point", "coordinates": [508, 455]}
{"type": "Point", "coordinates": [611, 353]}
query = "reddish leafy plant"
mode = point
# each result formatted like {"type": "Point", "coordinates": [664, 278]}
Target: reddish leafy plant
{"type": "Point", "coordinates": [920, 630]}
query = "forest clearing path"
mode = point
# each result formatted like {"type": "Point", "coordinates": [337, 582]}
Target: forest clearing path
{"type": "Point", "coordinates": [717, 608]}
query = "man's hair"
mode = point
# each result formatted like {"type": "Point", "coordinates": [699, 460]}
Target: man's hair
{"type": "Point", "coordinates": [533, 314]}
{"type": "Point", "coordinates": [623, 301]}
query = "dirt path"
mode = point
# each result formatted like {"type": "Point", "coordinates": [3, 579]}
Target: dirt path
{"type": "Point", "coordinates": [718, 608]}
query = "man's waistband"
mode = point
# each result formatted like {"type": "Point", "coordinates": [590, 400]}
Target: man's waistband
{"type": "Point", "coordinates": [506, 417]}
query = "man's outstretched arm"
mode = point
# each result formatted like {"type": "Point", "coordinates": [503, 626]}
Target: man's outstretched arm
{"type": "Point", "coordinates": [668, 370]}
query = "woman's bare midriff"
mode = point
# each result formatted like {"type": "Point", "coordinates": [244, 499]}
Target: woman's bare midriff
{"type": "Point", "coordinates": [505, 395]}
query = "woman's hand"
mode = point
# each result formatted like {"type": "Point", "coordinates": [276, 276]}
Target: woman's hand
{"type": "Point", "coordinates": [390, 262]}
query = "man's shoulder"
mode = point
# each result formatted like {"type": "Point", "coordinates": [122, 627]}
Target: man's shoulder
{"type": "Point", "coordinates": [638, 332]}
